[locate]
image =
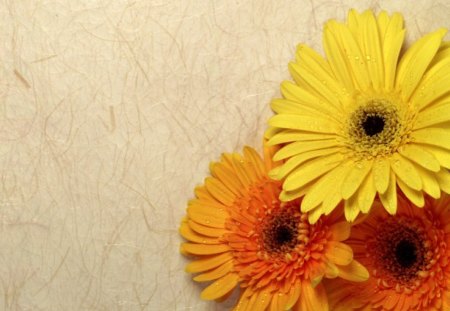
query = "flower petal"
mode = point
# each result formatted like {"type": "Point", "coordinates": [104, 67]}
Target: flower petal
{"type": "Point", "coordinates": [351, 208]}
{"type": "Point", "coordinates": [354, 272]}
{"type": "Point", "coordinates": [215, 273]}
{"type": "Point", "coordinates": [304, 123]}
{"type": "Point", "coordinates": [415, 61]}
{"type": "Point", "coordinates": [310, 171]}
{"type": "Point", "coordinates": [381, 172]}
{"type": "Point", "coordinates": [293, 295]}
{"type": "Point", "coordinates": [366, 194]}
{"type": "Point", "coordinates": [203, 249]}
{"type": "Point", "coordinates": [295, 161]}
{"type": "Point", "coordinates": [355, 177]}
{"type": "Point", "coordinates": [221, 287]}
{"type": "Point", "coordinates": [430, 184]}
{"type": "Point", "coordinates": [372, 50]}
{"type": "Point", "coordinates": [192, 236]}
{"type": "Point", "coordinates": [422, 157]}
{"type": "Point", "coordinates": [432, 136]}
{"type": "Point", "coordinates": [299, 147]}
{"type": "Point", "coordinates": [392, 43]}
{"type": "Point", "coordinates": [415, 196]}
{"type": "Point", "coordinates": [336, 56]}
{"type": "Point", "coordinates": [406, 171]}
{"type": "Point", "coordinates": [442, 155]}
{"type": "Point", "coordinates": [339, 253]}
{"type": "Point", "coordinates": [286, 136]}
{"type": "Point", "coordinates": [219, 191]}
{"type": "Point", "coordinates": [325, 184]}
{"type": "Point", "coordinates": [313, 298]}
{"type": "Point", "coordinates": [208, 263]}
{"type": "Point", "coordinates": [389, 197]}
{"type": "Point", "coordinates": [433, 116]}
{"type": "Point", "coordinates": [443, 178]}
{"type": "Point", "coordinates": [340, 231]}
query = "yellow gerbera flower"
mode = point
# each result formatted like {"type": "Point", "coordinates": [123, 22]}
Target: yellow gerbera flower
{"type": "Point", "coordinates": [242, 235]}
{"type": "Point", "coordinates": [408, 257]}
{"type": "Point", "coordinates": [361, 122]}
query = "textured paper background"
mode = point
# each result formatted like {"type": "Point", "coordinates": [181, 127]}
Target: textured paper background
{"type": "Point", "coordinates": [109, 114]}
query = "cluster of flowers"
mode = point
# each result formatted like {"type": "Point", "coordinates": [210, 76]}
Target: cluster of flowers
{"type": "Point", "coordinates": [348, 209]}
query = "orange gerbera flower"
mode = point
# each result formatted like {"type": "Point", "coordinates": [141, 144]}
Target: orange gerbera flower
{"type": "Point", "coordinates": [408, 257]}
{"type": "Point", "coordinates": [242, 235]}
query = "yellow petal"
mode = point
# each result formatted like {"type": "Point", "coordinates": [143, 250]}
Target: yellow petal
{"type": "Point", "coordinates": [355, 177]}
{"type": "Point", "coordinates": [339, 253]}
{"type": "Point", "coordinates": [406, 171]}
{"type": "Point", "coordinates": [295, 161]}
{"type": "Point", "coordinates": [220, 287]}
{"type": "Point", "coordinates": [286, 196]}
{"type": "Point", "coordinates": [208, 263]}
{"type": "Point", "coordinates": [355, 59]}
{"type": "Point", "coordinates": [382, 22]}
{"type": "Point", "coordinates": [392, 44]}
{"type": "Point", "coordinates": [321, 189]}
{"type": "Point", "coordinates": [366, 194]}
{"type": "Point", "coordinates": [313, 298]}
{"type": "Point", "coordinates": [334, 196]}
{"type": "Point", "coordinates": [432, 136]}
{"type": "Point", "coordinates": [354, 272]}
{"type": "Point", "coordinates": [430, 184]}
{"type": "Point", "coordinates": [415, 61]}
{"type": "Point", "coordinates": [433, 116]}
{"type": "Point", "coordinates": [336, 56]}
{"type": "Point", "coordinates": [372, 49]}
{"type": "Point", "coordinates": [204, 249]}
{"type": "Point", "coordinates": [416, 197]}
{"type": "Point", "coordinates": [340, 231]}
{"type": "Point", "coordinates": [303, 146]}
{"type": "Point", "coordinates": [351, 208]}
{"type": "Point", "coordinates": [355, 24]}
{"type": "Point", "coordinates": [287, 136]}
{"type": "Point", "coordinates": [389, 197]}
{"type": "Point", "coordinates": [443, 178]}
{"type": "Point", "coordinates": [420, 156]}
{"type": "Point", "coordinates": [318, 83]}
{"type": "Point", "coordinates": [310, 171]}
{"type": "Point", "coordinates": [311, 62]}
{"type": "Point", "coordinates": [433, 85]}
{"type": "Point", "coordinates": [304, 123]}
{"type": "Point", "coordinates": [442, 155]}
{"type": "Point", "coordinates": [215, 273]}
{"type": "Point", "coordinates": [381, 172]}
{"type": "Point", "coordinates": [314, 215]}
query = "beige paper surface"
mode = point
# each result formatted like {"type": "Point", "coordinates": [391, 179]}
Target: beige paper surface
{"type": "Point", "coordinates": [110, 112]}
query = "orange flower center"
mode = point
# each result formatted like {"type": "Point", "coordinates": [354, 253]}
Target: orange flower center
{"type": "Point", "coordinates": [272, 242]}
{"type": "Point", "coordinates": [408, 254]}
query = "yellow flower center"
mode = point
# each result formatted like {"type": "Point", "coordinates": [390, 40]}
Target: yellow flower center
{"type": "Point", "coordinates": [377, 126]}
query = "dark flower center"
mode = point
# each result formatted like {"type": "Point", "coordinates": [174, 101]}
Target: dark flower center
{"type": "Point", "coordinates": [406, 253]}
{"type": "Point", "coordinates": [283, 234]}
{"type": "Point", "coordinates": [399, 249]}
{"type": "Point", "coordinates": [373, 124]}
{"type": "Point", "coordinates": [280, 231]}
